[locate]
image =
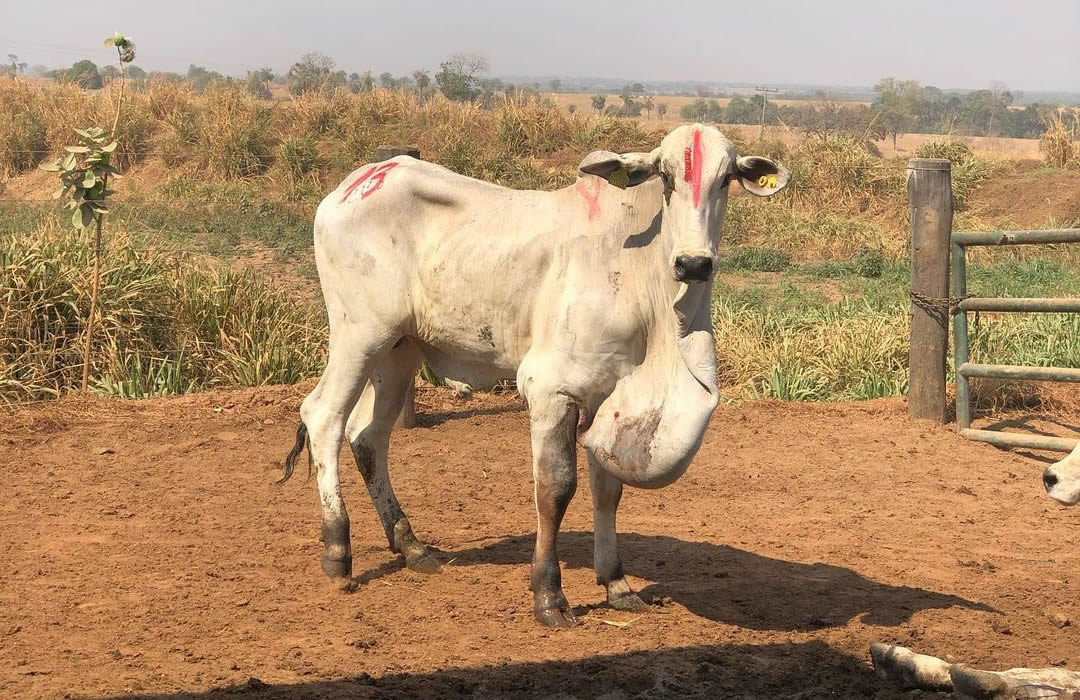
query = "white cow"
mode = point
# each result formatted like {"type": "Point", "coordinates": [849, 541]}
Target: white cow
{"type": "Point", "coordinates": [595, 298]}
{"type": "Point", "coordinates": [1062, 479]}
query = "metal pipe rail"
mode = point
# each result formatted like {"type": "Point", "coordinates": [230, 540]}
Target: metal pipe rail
{"type": "Point", "coordinates": [966, 370]}
{"type": "Point", "coordinates": [1053, 235]}
{"type": "Point", "coordinates": [1006, 304]}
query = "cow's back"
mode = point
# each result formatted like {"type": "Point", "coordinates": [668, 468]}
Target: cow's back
{"type": "Point", "coordinates": [479, 272]}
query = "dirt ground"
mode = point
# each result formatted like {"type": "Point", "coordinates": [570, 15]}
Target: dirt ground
{"type": "Point", "coordinates": [147, 553]}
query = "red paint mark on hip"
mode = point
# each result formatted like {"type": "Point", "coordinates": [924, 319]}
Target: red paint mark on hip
{"type": "Point", "coordinates": [693, 157]}
{"type": "Point", "coordinates": [591, 198]}
{"type": "Point", "coordinates": [372, 179]}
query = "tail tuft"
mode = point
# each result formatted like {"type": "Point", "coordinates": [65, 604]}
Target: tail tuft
{"type": "Point", "coordinates": [298, 447]}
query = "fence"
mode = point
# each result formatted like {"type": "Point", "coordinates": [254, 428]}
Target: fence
{"type": "Point", "coordinates": [937, 252]}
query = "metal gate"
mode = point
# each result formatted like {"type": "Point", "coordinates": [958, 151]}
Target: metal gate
{"type": "Point", "coordinates": [965, 370]}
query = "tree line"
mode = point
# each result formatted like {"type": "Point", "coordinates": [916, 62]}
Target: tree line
{"type": "Point", "coordinates": [901, 106]}
{"type": "Point", "coordinates": [459, 78]}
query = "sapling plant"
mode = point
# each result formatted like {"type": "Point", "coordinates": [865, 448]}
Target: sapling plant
{"type": "Point", "coordinates": [84, 174]}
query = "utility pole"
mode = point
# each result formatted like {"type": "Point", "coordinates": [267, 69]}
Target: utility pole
{"type": "Point", "coordinates": [765, 100]}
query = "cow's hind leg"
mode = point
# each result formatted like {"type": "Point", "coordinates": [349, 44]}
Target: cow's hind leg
{"type": "Point", "coordinates": [606, 492]}
{"type": "Point", "coordinates": [368, 432]}
{"type": "Point", "coordinates": [324, 413]}
{"type": "Point", "coordinates": [554, 430]}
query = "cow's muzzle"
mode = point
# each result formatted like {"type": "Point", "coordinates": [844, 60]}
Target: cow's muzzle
{"type": "Point", "coordinates": [693, 268]}
{"type": "Point", "coordinates": [1060, 487]}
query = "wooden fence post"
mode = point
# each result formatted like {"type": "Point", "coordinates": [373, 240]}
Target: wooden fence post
{"type": "Point", "coordinates": [407, 417]}
{"type": "Point", "coordinates": [929, 184]}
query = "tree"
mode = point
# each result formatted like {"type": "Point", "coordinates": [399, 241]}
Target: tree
{"type": "Point", "coordinates": [458, 77]}
{"type": "Point", "coordinates": [136, 76]}
{"type": "Point", "coordinates": [361, 83]}
{"type": "Point", "coordinates": [630, 108]}
{"type": "Point", "coordinates": [637, 88]}
{"type": "Point", "coordinates": [387, 80]}
{"type": "Point", "coordinates": [897, 104]}
{"type": "Point", "coordinates": [647, 103]}
{"type": "Point", "coordinates": [423, 83]}
{"type": "Point", "coordinates": [598, 102]}
{"type": "Point", "coordinates": [83, 73]}
{"type": "Point", "coordinates": [16, 66]}
{"type": "Point", "coordinates": [109, 73]}
{"type": "Point", "coordinates": [555, 84]}
{"type": "Point", "coordinates": [258, 82]}
{"type": "Point", "coordinates": [201, 78]}
{"type": "Point", "coordinates": [314, 72]}
{"type": "Point", "coordinates": [1000, 99]}
{"type": "Point", "coordinates": [661, 109]}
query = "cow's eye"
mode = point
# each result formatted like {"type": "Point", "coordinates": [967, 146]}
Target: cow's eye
{"type": "Point", "coordinates": [727, 180]}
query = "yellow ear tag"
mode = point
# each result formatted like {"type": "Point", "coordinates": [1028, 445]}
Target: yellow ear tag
{"type": "Point", "coordinates": [772, 182]}
{"type": "Point", "coordinates": [762, 181]}
{"type": "Point", "coordinates": [620, 178]}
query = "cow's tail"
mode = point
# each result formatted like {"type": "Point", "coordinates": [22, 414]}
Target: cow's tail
{"type": "Point", "coordinates": [298, 447]}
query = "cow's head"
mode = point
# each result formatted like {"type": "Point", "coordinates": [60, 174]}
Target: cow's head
{"type": "Point", "coordinates": [696, 163]}
{"type": "Point", "coordinates": [1062, 479]}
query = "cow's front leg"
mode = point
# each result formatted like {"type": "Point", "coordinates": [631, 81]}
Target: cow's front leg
{"type": "Point", "coordinates": [554, 449]}
{"type": "Point", "coordinates": [606, 492]}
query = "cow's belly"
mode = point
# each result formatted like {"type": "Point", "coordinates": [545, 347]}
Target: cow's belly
{"type": "Point", "coordinates": [472, 370]}
{"type": "Point", "coordinates": [474, 342]}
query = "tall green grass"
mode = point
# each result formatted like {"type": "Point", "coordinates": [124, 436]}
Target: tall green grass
{"type": "Point", "coordinates": [790, 343]}
{"type": "Point", "coordinates": [169, 323]}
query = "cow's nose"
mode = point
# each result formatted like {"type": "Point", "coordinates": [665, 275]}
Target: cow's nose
{"type": "Point", "coordinates": [693, 268]}
{"type": "Point", "coordinates": [1049, 479]}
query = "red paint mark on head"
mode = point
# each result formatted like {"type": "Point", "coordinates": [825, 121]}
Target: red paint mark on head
{"type": "Point", "coordinates": [692, 162]}
{"type": "Point", "coordinates": [591, 198]}
{"type": "Point", "coordinates": [372, 179]}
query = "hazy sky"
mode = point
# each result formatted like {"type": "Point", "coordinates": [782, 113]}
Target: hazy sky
{"type": "Point", "coordinates": [1028, 44]}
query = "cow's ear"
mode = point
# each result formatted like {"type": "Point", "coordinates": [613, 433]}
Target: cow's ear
{"type": "Point", "coordinates": [761, 176]}
{"type": "Point", "coordinates": [621, 169]}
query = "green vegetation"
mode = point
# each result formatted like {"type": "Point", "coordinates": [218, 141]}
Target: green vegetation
{"type": "Point", "coordinates": [789, 341]}
{"type": "Point", "coordinates": [169, 322]}
{"type": "Point", "coordinates": [811, 302]}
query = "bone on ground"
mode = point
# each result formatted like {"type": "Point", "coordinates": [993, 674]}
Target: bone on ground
{"type": "Point", "coordinates": [907, 669]}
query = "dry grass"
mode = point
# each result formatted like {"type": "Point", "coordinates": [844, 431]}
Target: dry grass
{"type": "Point", "coordinates": [1059, 144]}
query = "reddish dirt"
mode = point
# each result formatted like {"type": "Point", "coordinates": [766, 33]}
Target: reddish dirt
{"type": "Point", "coordinates": [1030, 199]}
{"type": "Point", "coordinates": [147, 553]}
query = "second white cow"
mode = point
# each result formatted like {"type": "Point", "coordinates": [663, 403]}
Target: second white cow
{"type": "Point", "coordinates": [594, 298]}
{"type": "Point", "coordinates": [1062, 479]}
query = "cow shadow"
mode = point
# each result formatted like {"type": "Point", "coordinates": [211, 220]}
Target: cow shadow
{"type": "Point", "coordinates": [730, 585]}
{"type": "Point", "coordinates": [430, 419]}
{"type": "Point", "coordinates": [790, 670]}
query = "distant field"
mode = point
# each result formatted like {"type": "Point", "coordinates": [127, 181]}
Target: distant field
{"type": "Point", "coordinates": [999, 148]}
{"type": "Point", "coordinates": [583, 103]}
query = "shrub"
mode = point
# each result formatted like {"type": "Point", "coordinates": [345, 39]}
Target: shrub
{"type": "Point", "coordinates": [968, 169]}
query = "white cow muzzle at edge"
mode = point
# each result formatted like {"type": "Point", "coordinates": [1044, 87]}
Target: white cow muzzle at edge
{"type": "Point", "coordinates": [595, 298]}
{"type": "Point", "coordinates": [1062, 479]}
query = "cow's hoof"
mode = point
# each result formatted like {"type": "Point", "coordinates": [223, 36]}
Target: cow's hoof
{"type": "Point", "coordinates": [554, 611]}
{"type": "Point", "coordinates": [628, 602]}
{"type": "Point", "coordinates": [422, 561]}
{"type": "Point", "coordinates": [337, 568]}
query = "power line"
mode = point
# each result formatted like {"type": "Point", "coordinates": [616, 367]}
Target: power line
{"type": "Point", "coordinates": [765, 95]}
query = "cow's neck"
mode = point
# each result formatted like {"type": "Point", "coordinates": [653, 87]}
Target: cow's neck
{"type": "Point", "coordinates": [651, 425]}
